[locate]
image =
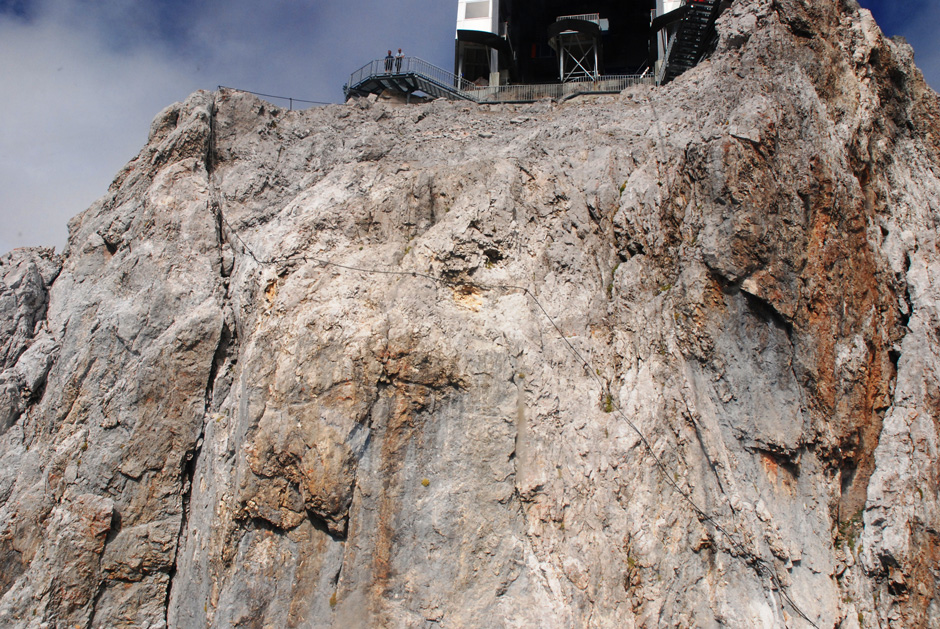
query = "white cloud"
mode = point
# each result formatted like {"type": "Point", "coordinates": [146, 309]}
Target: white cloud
{"type": "Point", "coordinates": [73, 113]}
{"type": "Point", "coordinates": [82, 80]}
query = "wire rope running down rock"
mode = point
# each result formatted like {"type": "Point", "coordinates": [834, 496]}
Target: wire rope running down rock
{"type": "Point", "coordinates": [761, 565]}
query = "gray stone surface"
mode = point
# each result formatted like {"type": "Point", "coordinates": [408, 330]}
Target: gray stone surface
{"type": "Point", "coordinates": [26, 349]}
{"type": "Point", "coordinates": [666, 358]}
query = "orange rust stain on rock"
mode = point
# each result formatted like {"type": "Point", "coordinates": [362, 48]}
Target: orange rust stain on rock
{"type": "Point", "coordinates": [921, 583]}
{"type": "Point", "coordinates": [846, 297]}
{"type": "Point", "coordinates": [779, 476]}
{"type": "Point", "coordinates": [770, 467]}
{"type": "Point", "coordinates": [415, 379]}
{"type": "Point", "coordinates": [397, 434]}
{"type": "Point", "coordinates": [469, 297]}
{"type": "Point", "coordinates": [270, 291]}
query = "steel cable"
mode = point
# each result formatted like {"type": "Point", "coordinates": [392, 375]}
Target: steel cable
{"type": "Point", "coordinates": [761, 565]}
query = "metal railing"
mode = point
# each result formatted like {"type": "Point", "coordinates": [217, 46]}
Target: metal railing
{"type": "Point", "coordinates": [557, 91]}
{"type": "Point", "coordinates": [410, 65]}
{"type": "Point", "coordinates": [665, 65]}
{"type": "Point", "coordinates": [587, 17]}
{"type": "Point", "coordinates": [462, 88]}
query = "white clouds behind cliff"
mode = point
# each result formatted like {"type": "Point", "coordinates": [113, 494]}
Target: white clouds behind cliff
{"type": "Point", "coordinates": [72, 113]}
{"type": "Point", "coordinates": [82, 80]}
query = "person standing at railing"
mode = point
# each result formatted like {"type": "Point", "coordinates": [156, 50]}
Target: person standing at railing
{"type": "Point", "coordinates": [388, 62]}
{"type": "Point", "coordinates": [398, 59]}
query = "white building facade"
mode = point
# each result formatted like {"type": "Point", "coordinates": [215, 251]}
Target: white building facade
{"type": "Point", "coordinates": [478, 15]}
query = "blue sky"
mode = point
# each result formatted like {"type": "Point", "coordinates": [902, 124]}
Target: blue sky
{"type": "Point", "coordinates": [917, 21]}
{"type": "Point", "coordinates": [82, 79]}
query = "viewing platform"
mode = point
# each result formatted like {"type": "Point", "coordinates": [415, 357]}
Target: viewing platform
{"type": "Point", "coordinates": [418, 77]}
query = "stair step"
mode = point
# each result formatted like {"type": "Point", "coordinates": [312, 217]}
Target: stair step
{"type": "Point", "coordinates": [692, 36]}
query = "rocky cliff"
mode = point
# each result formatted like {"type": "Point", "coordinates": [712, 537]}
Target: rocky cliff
{"type": "Point", "coordinates": [667, 358]}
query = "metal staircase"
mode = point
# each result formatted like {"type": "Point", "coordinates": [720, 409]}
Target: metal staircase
{"type": "Point", "coordinates": [408, 77]}
{"type": "Point", "coordinates": [692, 36]}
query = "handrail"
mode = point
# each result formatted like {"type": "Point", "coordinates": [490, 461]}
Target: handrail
{"type": "Point", "coordinates": [411, 65]}
{"type": "Point", "coordinates": [558, 91]}
{"type": "Point", "coordinates": [462, 88]}
{"type": "Point", "coordinates": [586, 17]}
{"type": "Point", "coordinates": [666, 55]}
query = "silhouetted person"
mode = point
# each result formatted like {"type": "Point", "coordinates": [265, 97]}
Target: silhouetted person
{"type": "Point", "coordinates": [388, 62]}
{"type": "Point", "coordinates": [398, 60]}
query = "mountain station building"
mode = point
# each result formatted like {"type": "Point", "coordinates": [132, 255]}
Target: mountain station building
{"type": "Point", "coordinates": [564, 47]}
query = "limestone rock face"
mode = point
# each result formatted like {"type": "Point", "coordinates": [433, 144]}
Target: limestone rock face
{"type": "Point", "coordinates": [26, 348]}
{"type": "Point", "coordinates": [667, 358]}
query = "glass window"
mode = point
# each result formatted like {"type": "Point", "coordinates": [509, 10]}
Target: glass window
{"type": "Point", "coordinates": [478, 9]}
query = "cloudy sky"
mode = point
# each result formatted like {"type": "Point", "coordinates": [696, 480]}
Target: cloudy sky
{"type": "Point", "coordinates": [80, 80]}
